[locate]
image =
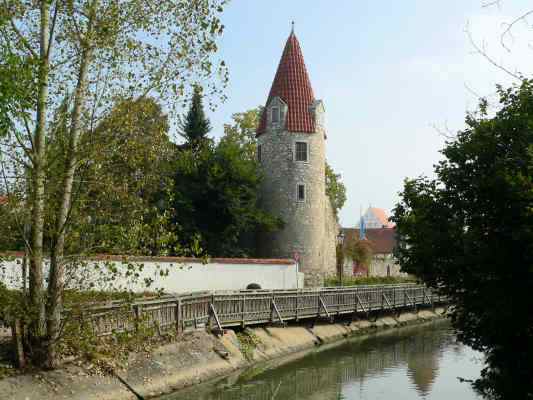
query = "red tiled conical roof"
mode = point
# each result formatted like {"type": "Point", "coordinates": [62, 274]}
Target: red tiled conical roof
{"type": "Point", "coordinates": [292, 85]}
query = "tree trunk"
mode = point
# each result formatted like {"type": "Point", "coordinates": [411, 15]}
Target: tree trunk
{"type": "Point", "coordinates": [57, 263]}
{"type": "Point", "coordinates": [27, 238]}
{"type": "Point", "coordinates": [17, 333]}
{"type": "Point", "coordinates": [36, 284]}
{"type": "Point", "coordinates": [24, 285]}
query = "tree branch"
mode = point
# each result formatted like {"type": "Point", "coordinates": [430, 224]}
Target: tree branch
{"type": "Point", "coordinates": [510, 26]}
{"type": "Point", "coordinates": [481, 51]}
{"type": "Point", "coordinates": [52, 28]}
{"type": "Point", "coordinates": [446, 132]}
{"type": "Point", "coordinates": [19, 225]}
{"type": "Point", "coordinates": [491, 3]}
{"type": "Point", "coordinates": [20, 35]}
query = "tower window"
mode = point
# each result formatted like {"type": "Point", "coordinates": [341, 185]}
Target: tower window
{"type": "Point", "coordinates": [300, 192]}
{"type": "Point", "coordinates": [259, 151]}
{"type": "Point", "coordinates": [301, 151]}
{"type": "Point", "coordinates": [275, 115]}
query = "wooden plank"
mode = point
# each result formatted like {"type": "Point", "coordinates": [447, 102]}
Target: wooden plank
{"type": "Point", "coordinates": [297, 305]}
{"type": "Point", "coordinates": [243, 309]}
{"type": "Point", "coordinates": [276, 311]}
{"type": "Point", "coordinates": [426, 297]}
{"type": "Point", "coordinates": [323, 306]}
{"type": "Point", "coordinates": [213, 314]}
{"type": "Point", "coordinates": [179, 327]}
{"type": "Point", "coordinates": [410, 299]}
{"type": "Point", "coordinates": [387, 301]}
{"type": "Point", "coordinates": [361, 303]}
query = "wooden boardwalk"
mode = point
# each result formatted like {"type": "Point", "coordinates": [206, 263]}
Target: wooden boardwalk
{"type": "Point", "coordinates": [218, 310]}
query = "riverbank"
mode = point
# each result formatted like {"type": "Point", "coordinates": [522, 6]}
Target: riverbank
{"type": "Point", "coordinates": [198, 357]}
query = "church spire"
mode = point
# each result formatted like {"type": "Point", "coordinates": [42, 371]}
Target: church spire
{"type": "Point", "coordinates": [292, 85]}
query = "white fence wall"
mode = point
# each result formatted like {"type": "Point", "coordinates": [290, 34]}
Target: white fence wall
{"type": "Point", "coordinates": [172, 275]}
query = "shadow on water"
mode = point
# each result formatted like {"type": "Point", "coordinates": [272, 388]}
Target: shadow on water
{"type": "Point", "coordinates": [403, 364]}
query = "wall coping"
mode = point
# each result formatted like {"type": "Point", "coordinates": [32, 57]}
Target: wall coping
{"type": "Point", "coordinates": [179, 260]}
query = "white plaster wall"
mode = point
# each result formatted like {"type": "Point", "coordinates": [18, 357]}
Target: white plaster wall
{"type": "Point", "coordinates": [378, 266]}
{"type": "Point", "coordinates": [171, 277]}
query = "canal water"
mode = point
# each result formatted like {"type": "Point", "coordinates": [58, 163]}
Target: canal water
{"type": "Point", "coordinates": [410, 363]}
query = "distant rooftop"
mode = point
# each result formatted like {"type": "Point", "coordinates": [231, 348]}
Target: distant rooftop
{"type": "Point", "coordinates": [376, 218]}
{"type": "Point", "coordinates": [381, 240]}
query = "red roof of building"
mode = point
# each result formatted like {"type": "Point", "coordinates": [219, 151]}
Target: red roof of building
{"type": "Point", "coordinates": [382, 240]}
{"type": "Point", "coordinates": [192, 260]}
{"type": "Point", "coordinates": [293, 86]}
{"type": "Point", "coordinates": [170, 259]}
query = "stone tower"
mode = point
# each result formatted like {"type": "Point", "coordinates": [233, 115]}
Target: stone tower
{"type": "Point", "coordinates": [291, 150]}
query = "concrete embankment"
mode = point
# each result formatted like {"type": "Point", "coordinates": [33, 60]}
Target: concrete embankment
{"type": "Point", "coordinates": [198, 357]}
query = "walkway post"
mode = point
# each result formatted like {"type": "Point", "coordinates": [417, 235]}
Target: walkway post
{"type": "Point", "coordinates": [296, 257]}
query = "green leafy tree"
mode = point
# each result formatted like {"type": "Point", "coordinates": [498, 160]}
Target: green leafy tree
{"type": "Point", "coordinates": [335, 189]}
{"type": "Point", "coordinates": [243, 129]}
{"type": "Point", "coordinates": [359, 251]}
{"type": "Point", "coordinates": [12, 215]}
{"type": "Point", "coordinates": [469, 233]}
{"type": "Point", "coordinates": [216, 197]}
{"type": "Point", "coordinates": [15, 94]}
{"type": "Point", "coordinates": [126, 169]}
{"type": "Point", "coordinates": [195, 127]}
{"type": "Point", "coordinates": [89, 52]}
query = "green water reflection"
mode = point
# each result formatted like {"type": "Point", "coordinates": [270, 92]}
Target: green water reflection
{"type": "Point", "coordinates": [411, 363]}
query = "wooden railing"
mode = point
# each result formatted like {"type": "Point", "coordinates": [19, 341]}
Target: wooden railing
{"type": "Point", "coordinates": [218, 310]}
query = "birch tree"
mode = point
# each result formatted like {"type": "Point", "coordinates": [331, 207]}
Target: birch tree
{"type": "Point", "coordinates": [83, 54]}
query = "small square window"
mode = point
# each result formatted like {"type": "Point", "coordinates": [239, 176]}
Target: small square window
{"type": "Point", "coordinates": [259, 151]}
{"type": "Point", "coordinates": [301, 193]}
{"type": "Point", "coordinates": [301, 151]}
{"type": "Point", "coordinates": [275, 115]}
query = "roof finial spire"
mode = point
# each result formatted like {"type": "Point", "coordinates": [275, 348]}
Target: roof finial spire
{"type": "Point", "coordinates": [292, 27]}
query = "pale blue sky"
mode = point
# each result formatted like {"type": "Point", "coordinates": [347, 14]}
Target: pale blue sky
{"type": "Point", "coordinates": [387, 71]}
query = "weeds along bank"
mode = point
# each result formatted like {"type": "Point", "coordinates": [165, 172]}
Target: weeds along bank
{"type": "Point", "coordinates": [198, 356]}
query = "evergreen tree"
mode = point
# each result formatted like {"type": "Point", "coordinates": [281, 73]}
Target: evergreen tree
{"type": "Point", "coordinates": [196, 126]}
{"type": "Point", "coordinates": [216, 200]}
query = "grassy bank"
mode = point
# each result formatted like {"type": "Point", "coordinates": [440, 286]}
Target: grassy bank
{"type": "Point", "coordinates": [367, 280]}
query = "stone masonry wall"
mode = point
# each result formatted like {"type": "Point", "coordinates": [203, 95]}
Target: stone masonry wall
{"type": "Point", "coordinates": [330, 240]}
{"type": "Point", "coordinates": [305, 222]}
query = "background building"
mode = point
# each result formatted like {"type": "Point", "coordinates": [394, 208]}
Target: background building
{"type": "Point", "coordinates": [375, 218]}
{"type": "Point", "coordinates": [381, 242]}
